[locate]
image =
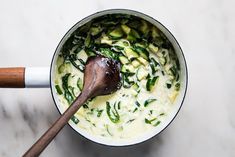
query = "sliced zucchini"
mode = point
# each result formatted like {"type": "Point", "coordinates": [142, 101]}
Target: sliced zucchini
{"type": "Point", "coordinates": [142, 52]}
{"type": "Point", "coordinates": [153, 48]}
{"type": "Point", "coordinates": [144, 27]}
{"type": "Point", "coordinates": [58, 89]}
{"type": "Point", "coordinates": [65, 67]}
{"type": "Point", "coordinates": [130, 37]}
{"type": "Point", "coordinates": [173, 96]}
{"type": "Point", "coordinates": [153, 65]}
{"type": "Point", "coordinates": [141, 73]}
{"type": "Point", "coordinates": [126, 29]}
{"type": "Point", "coordinates": [135, 63]}
{"type": "Point", "coordinates": [123, 59]}
{"type": "Point", "coordinates": [87, 41]}
{"type": "Point", "coordinates": [128, 68]}
{"type": "Point", "coordinates": [80, 84]}
{"type": "Point", "coordinates": [135, 87]}
{"type": "Point", "coordinates": [142, 60]}
{"type": "Point", "coordinates": [137, 103]}
{"type": "Point", "coordinates": [155, 32]}
{"type": "Point", "coordinates": [108, 53]}
{"type": "Point", "coordinates": [133, 35]}
{"type": "Point", "coordinates": [112, 114]}
{"type": "Point", "coordinates": [177, 86]}
{"type": "Point", "coordinates": [75, 119]}
{"type": "Point", "coordinates": [82, 55]}
{"type": "Point", "coordinates": [134, 92]}
{"type": "Point", "coordinates": [124, 69]}
{"type": "Point", "coordinates": [95, 30]}
{"type": "Point", "coordinates": [168, 85]}
{"type": "Point", "coordinates": [106, 40]}
{"type": "Point", "coordinates": [150, 84]}
{"type": "Point", "coordinates": [162, 60]}
{"type": "Point", "coordinates": [117, 33]}
{"type": "Point", "coordinates": [89, 53]}
{"type": "Point", "coordinates": [147, 102]}
{"type": "Point", "coordinates": [130, 53]}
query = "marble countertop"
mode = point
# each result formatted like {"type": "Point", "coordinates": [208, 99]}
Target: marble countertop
{"type": "Point", "coordinates": [31, 30]}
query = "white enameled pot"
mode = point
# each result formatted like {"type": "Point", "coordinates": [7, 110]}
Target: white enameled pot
{"type": "Point", "coordinates": [43, 77]}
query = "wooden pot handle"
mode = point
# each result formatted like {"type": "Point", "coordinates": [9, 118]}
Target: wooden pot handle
{"type": "Point", "coordinates": [12, 77]}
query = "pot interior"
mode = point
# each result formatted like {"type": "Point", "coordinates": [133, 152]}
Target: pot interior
{"type": "Point", "coordinates": [183, 75]}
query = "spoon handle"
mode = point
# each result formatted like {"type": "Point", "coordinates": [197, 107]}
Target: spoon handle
{"type": "Point", "coordinates": [49, 135]}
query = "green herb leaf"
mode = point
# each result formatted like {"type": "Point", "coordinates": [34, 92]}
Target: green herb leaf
{"type": "Point", "coordinates": [147, 102]}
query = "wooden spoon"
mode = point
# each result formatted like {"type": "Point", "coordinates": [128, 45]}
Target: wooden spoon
{"type": "Point", "coordinates": [101, 77]}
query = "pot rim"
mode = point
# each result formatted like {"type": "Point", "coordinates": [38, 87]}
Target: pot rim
{"type": "Point", "coordinates": [124, 11]}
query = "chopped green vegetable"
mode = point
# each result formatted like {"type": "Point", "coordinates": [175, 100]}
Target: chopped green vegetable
{"type": "Point", "coordinates": [131, 120]}
{"type": "Point", "coordinates": [108, 53]}
{"type": "Point", "coordinates": [135, 63]}
{"type": "Point", "coordinates": [85, 106]}
{"type": "Point", "coordinates": [137, 103]}
{"type": "Point", "coordinates": [80, 84]}
{"type": "Point", "coordinates": [147, 121]}
{"type": "Point", "coordinates": [144, 27]}
{"type": "Point", "coordinates": [141, 73]}
{"type": "Point", "coordinates": [107, 129]}
{"type": "Point", "coordinates": [177, 86]}
{"type": "Point", "coordinates": [135, 110]}
{"type": "Point", "coordinates": [99, 112]}
{"type": "Point", "coordinates": [119, 105]}
{"type": "Point", "coordinates": [72, 59]}
{"type": "Point", "coordinates": [168, 85]}
{"type": "Point", "coordinates": [112, 114]}
{"type": "Point", "coordinates": [153, 64]}
{"type": "Point", "coordinates": [71, 89]}
{"type": "Point", "coordinates": [151, 83]}
{"type": "Point", "coordinates": [75, 119]}
{"type": "Point", "coordinates": [153, 48]}
{"type": "Point", "coordinates": [157, 123]}
{"type": "Point", "coordinates": [142, 60]}
{"type": "Point", "coordinates": [95, 30]}
{"type": "Point", "coordinates": [130, 53]}
{"type": "Point", "coordinates": [58, 89]}
{"type": "Point", "coordinates": [117, 33]}
{"type": "Point", "coordinates": [126, 29]}
{"type": "Point", "coordinates": [133, 35]}
{"type": "Point", "coordinates": [127, 83]}
{"type": "Point", "coordinates": [142, 51]}
{"type": "Point", "coordinates": [67, 94]}
{"type": "Point", "coordinates": [123, 59]}
{"type": "Point", "coordinates": [147, 102]}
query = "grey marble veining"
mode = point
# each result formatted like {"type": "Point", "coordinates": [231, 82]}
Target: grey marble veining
{"type": "Point", "coordinates": [31, 30]}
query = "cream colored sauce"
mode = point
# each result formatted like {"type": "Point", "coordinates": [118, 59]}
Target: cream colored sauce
{"type": "Point", "coordinates": [103, 126]}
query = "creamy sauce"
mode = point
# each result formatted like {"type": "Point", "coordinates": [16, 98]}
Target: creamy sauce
{"type": "Point", "coordinates": [135, 115]}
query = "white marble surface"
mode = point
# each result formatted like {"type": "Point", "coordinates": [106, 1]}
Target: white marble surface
{"type": "Point", "coordinates": [31, 29]}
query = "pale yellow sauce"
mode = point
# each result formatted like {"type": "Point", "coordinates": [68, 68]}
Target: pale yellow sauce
{"type": "Point", "coordinates": [103, 126]}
